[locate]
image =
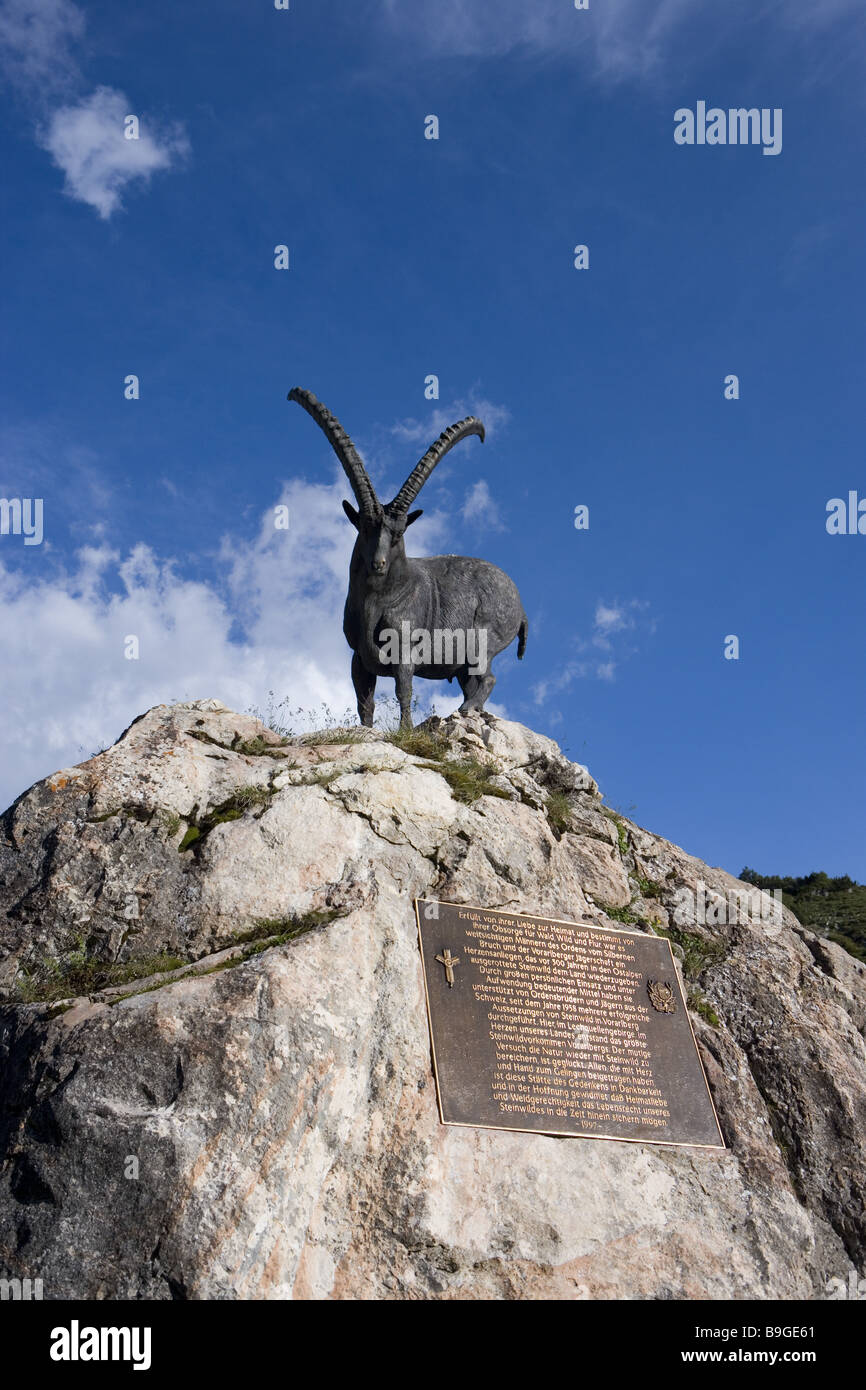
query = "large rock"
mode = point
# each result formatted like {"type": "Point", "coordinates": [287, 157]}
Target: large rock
{"type": "Point", "coordinates": [257, 1117]}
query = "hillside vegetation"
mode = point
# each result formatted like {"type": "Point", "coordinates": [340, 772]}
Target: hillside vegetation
{"type": "Point", "coordinates": [831, 907]}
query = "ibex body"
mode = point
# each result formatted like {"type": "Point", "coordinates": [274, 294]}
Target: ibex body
{"type": "Point", "coordinates": [440, 618]}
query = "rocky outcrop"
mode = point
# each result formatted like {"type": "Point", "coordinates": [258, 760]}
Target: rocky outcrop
{"type": "Point", "coordinates": [216, 1076]}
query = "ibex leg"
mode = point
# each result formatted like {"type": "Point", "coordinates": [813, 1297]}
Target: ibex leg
{"type": "Point", "coordinates": [403, 686]}
{"type": "Point", "coordinates": [476, 690]}
{"type": "Point", "coordinates": [365, 689]}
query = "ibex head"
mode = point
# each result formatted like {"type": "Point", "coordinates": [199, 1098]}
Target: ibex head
{"type": "Point", "coordinates": [381, 528]}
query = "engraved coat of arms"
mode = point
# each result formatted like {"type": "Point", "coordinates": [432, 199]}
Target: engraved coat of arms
{"type": "Point", "coordinates": [661, 995]}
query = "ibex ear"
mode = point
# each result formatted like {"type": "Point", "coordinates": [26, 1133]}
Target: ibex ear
{"type": "Point", "coordinates": [413, 516]}
{"type": "Point", "coordinates": [351, 514]}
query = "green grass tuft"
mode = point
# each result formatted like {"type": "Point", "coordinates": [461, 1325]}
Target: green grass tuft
{"type": "Point", "coordinates": [621, 834]}
{"type": "Point", "coordinates": [420, 743]}
{"type": "Point", "coordinates": [76, 974]}
{"type": "Point", "coordinates": [267, 933]}
{"type": "Point", "coordinates": [323, 778]}
{"type": "Point", "coordinates": [328, 727]}
{"type": "Point", "coordinates": [620, 914]}
{"type": "Point", "coordinates": [337, 734]}
{"type": "Point", "coordinates": [276, 931]}
{"type": "Point", "coordinates": [698, 953]}
{"type": "Point", "coordinates": [242, 799]}
{"type": "Point", "coordinates": [468, 779]}
{"type": "Point", "coordinates": [257, 747]}
{"type": "Point", "coordinates": [699, 1005]}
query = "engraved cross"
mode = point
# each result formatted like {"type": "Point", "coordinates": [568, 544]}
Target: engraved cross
{"type": "Point", "coordinates": [449, 962]}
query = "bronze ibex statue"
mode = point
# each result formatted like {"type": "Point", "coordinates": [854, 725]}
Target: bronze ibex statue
{"type": "Point", "coordinates": [438, 618]}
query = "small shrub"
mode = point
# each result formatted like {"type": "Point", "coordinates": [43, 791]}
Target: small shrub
{"type": "Point", "coordinates": [698, 953]}
{"type": "Point", "coordinates": [558, 810]}
{"type": "Point", "coordinates": [648, 888]}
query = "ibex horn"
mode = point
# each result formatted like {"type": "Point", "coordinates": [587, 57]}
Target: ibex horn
{"type": "Point", "coordinates": [422, 470]}
{"type": "Point", "coordinates": [342, 447]}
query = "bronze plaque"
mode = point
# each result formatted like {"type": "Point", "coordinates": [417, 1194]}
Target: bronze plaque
{"type": "Point", "coordinates": [560, 1028]}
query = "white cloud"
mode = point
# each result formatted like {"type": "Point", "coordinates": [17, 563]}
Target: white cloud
{"type": "Point", "coordinates": [553, 685]}
{"type": "Point", "coordinates": [619, 39]}
{"type": "Point", "coordinates": [85, 135]}
{"type": "Point", "coordinates": [479, 508]}
{"type": "Point", "coordinates": [36, 42]}
{"type": "Point", "coordinates": [616, 617]}
{"type": "Point", "coordinates": [86, 140]}
{"type": "Point", "coordinates": [609, 619]}
{"type": "Point", "coordinates": [493, 417]}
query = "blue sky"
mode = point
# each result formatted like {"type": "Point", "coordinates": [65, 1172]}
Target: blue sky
{"type": "Point", "coordinates": [409, 256]}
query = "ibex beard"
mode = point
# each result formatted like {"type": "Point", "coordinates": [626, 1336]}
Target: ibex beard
{"type": "Point", "coordinates": [456, 596]}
